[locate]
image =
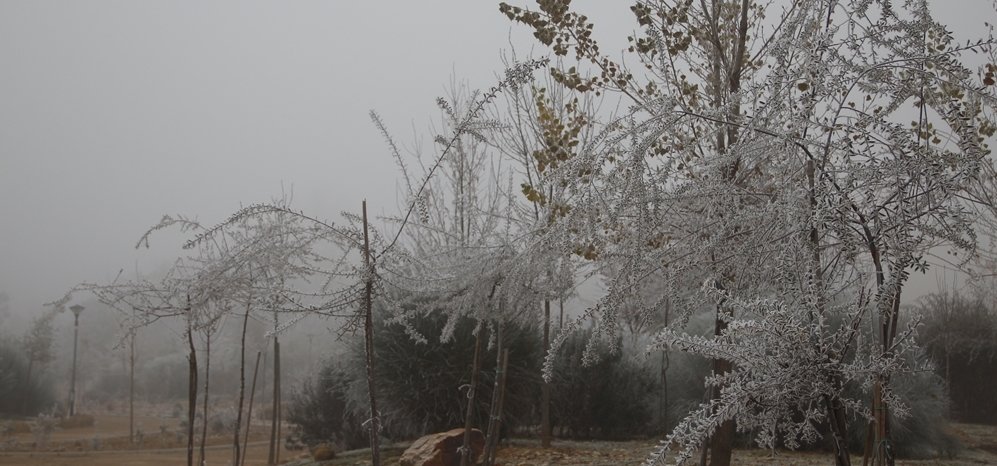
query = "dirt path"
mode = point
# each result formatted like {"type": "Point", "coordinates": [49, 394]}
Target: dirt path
{"type": "Point", "coordinates": [220, 455]}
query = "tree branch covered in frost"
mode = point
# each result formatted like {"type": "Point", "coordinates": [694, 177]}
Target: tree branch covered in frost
{"type": "Point", "coordinates": [780, 171]}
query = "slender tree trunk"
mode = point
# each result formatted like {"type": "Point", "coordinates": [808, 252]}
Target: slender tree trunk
{"type": "Point", "coordinates": [493, 411]}
{"type": "Point", "coordinates": [249, 411]}
{"type": "Point", "coordinates": [560, 317]}
{"type": "Point", "coordinates": [720, 446]}
{"type": "Point", "coordinates": [466, 457]}
{"type": "Point", "coordinates": [545, 393]}
{"type": "Point", "coordinates": [835, 410]}
{"type": "Point", "coordinates": [879, 415]}
{"type": "Point", "coordinates": [722, 441]}
{"type": "Point", "coordinates": [236, 452]}
{"type": "Point", "coordinates": [663, 394]}
{"type": "Point", "coordinates": [207, 387]}
{"type": "Point", "coordinates": [27, 380]}
{"type": "Point", "coordinates": [280, 408]}
{"type": "Point", "coordinates": [504, 376]}
{"type": "Point", "coordinates": [131, 388]}
{"type": "Point", "coordinates": [882, 448]}
{"type": "Point", "coordinates": [869, 437]}
{"type": "Point", "coordinates": [495, 421]}
{"type": "Point", "coordinates": [272, 455]}
{"type": "Point", "coordinates": [375, 416]}
{"type": "Point", "coordinates": [191, 393]}
{"type": "Point", "coordinates": [839, 430]}
{"type": "Point", "coordinates": [665, 363]}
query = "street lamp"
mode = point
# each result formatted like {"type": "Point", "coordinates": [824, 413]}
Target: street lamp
{"type": "Point", "coordinates": [77, 309]}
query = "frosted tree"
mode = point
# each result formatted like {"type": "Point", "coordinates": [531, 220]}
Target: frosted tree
{"type": "Point", "coordinates": [344, 270]}
{"type": "Point", "coordinates": [37, 344]}
{"type": "Point", "coordinates": [747, 138]}
{"type": "Point", "coordinates": [219, 269]}
{"type": "Point", "coordinates": [543, 127]}
{"type": "Point", "coordinates": [460, 256]}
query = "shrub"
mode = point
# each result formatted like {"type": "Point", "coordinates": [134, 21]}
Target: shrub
{"type": "Point", "coordinates": [923, 434]}
{"type": "Point", "coordinates": [78, 421]}
{"type": "Point", "coordinates": [42, 429]}
{"type": "Point", "coordinates": [960, 336]}
{"type": "Point", "coordinates": [319, 408]}
{"type": "Point", "coordinates": [422, 386]}
{"type": "Point", "coordinates": [18, 398]}
{"type": "Point", "coordinates": [221, 421]}
{"type": "Point", "coordinates": [163, 378]}
{"type": "Point", "coordinates": [611, 399]}
{"type": "Point", "coordinates": [111, 384]}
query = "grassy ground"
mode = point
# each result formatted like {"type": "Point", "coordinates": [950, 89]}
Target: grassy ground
{"type": "Point", "coordinates": [73, 447]}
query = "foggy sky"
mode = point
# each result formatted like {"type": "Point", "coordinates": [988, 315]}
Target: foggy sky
{"type": "Point", "coordinates": [113, 113]}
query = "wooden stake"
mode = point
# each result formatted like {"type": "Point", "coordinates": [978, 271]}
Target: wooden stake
{"type": "Point", "coordinates": [465, 457]}
{"type": "Point", "coordinates": [375, 421]}
{"type": "Point", "coordinates": [249, 413]}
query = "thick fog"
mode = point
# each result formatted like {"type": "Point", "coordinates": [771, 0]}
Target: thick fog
{"type": "Point", "coordinates": [113, 113]}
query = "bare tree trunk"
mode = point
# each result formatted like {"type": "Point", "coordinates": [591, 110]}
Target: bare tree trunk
{"type": "Point", "coordinates": [242, 390]}
{"type": "Point", "coordinates": [131, 388]}
{"type": "Point", "coordinates": [665, 363]}
{"type": "Point", "coordinates": [27, 380]}
{"type": "Point", "coordinates": [835, 410]}
{"type": "Point", "coordinates": [493, 408]}
{"type": "Point", "coordinates": [720, 446]}
{"type": "Point", "coordinates": [663, 394]}
{"type": "Point", "coordinates": [839, 430]}
{"type": "Point", "coordinates": [249, 413]}
{"type": "Point", "coordinates": [375, 416]}
{"type": "Point", "coordinates": [867, 452]}
{"type": "Point", "coordinates": [465, 456]}
{"type": "Point", "coordinates": [722, 441]}
{"type": "Point", "coordinates": [545, 433]}
{"type": "Point", "coordinates": [272, 455]}
{"type": "Point", "coordinates": [498, 397]}
{"type": "Point", "coordinates": [882, 447]}
{"type": "Point", "coordinates": [191, 392]}
{"type": "Point", "coordinates": [560, 317]}
{"type": "Point", "coordinates": [280, 407]}
{"type": "Point", "coordinates": [204, 410]}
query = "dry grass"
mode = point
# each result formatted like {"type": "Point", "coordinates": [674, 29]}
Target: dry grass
{"type": "Point", "coordinates": [73, 447]}
{"type": "Point", "coordinates": [219, 455]}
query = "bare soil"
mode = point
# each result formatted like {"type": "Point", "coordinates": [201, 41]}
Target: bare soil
{"type": "Point", "coordinates": [106, 443]}
{"type": "Point", "coordinates": [74, 447]}
{"type": "Point", "coordinates": [979, 447]}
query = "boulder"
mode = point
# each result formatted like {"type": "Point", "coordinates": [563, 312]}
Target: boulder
{"type": "Point", "coordinates": [442, 449]}
{"type": "Point", "coordinates": [323, 452]}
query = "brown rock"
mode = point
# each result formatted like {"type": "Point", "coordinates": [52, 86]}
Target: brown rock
{"type": "Point", "coordinates": [442, 449]}
{"type": "Point", "coordinates": [323, 452]}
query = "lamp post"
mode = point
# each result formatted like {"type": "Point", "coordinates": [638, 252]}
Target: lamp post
{"type": "Point", "coordinates": [77, 309]}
